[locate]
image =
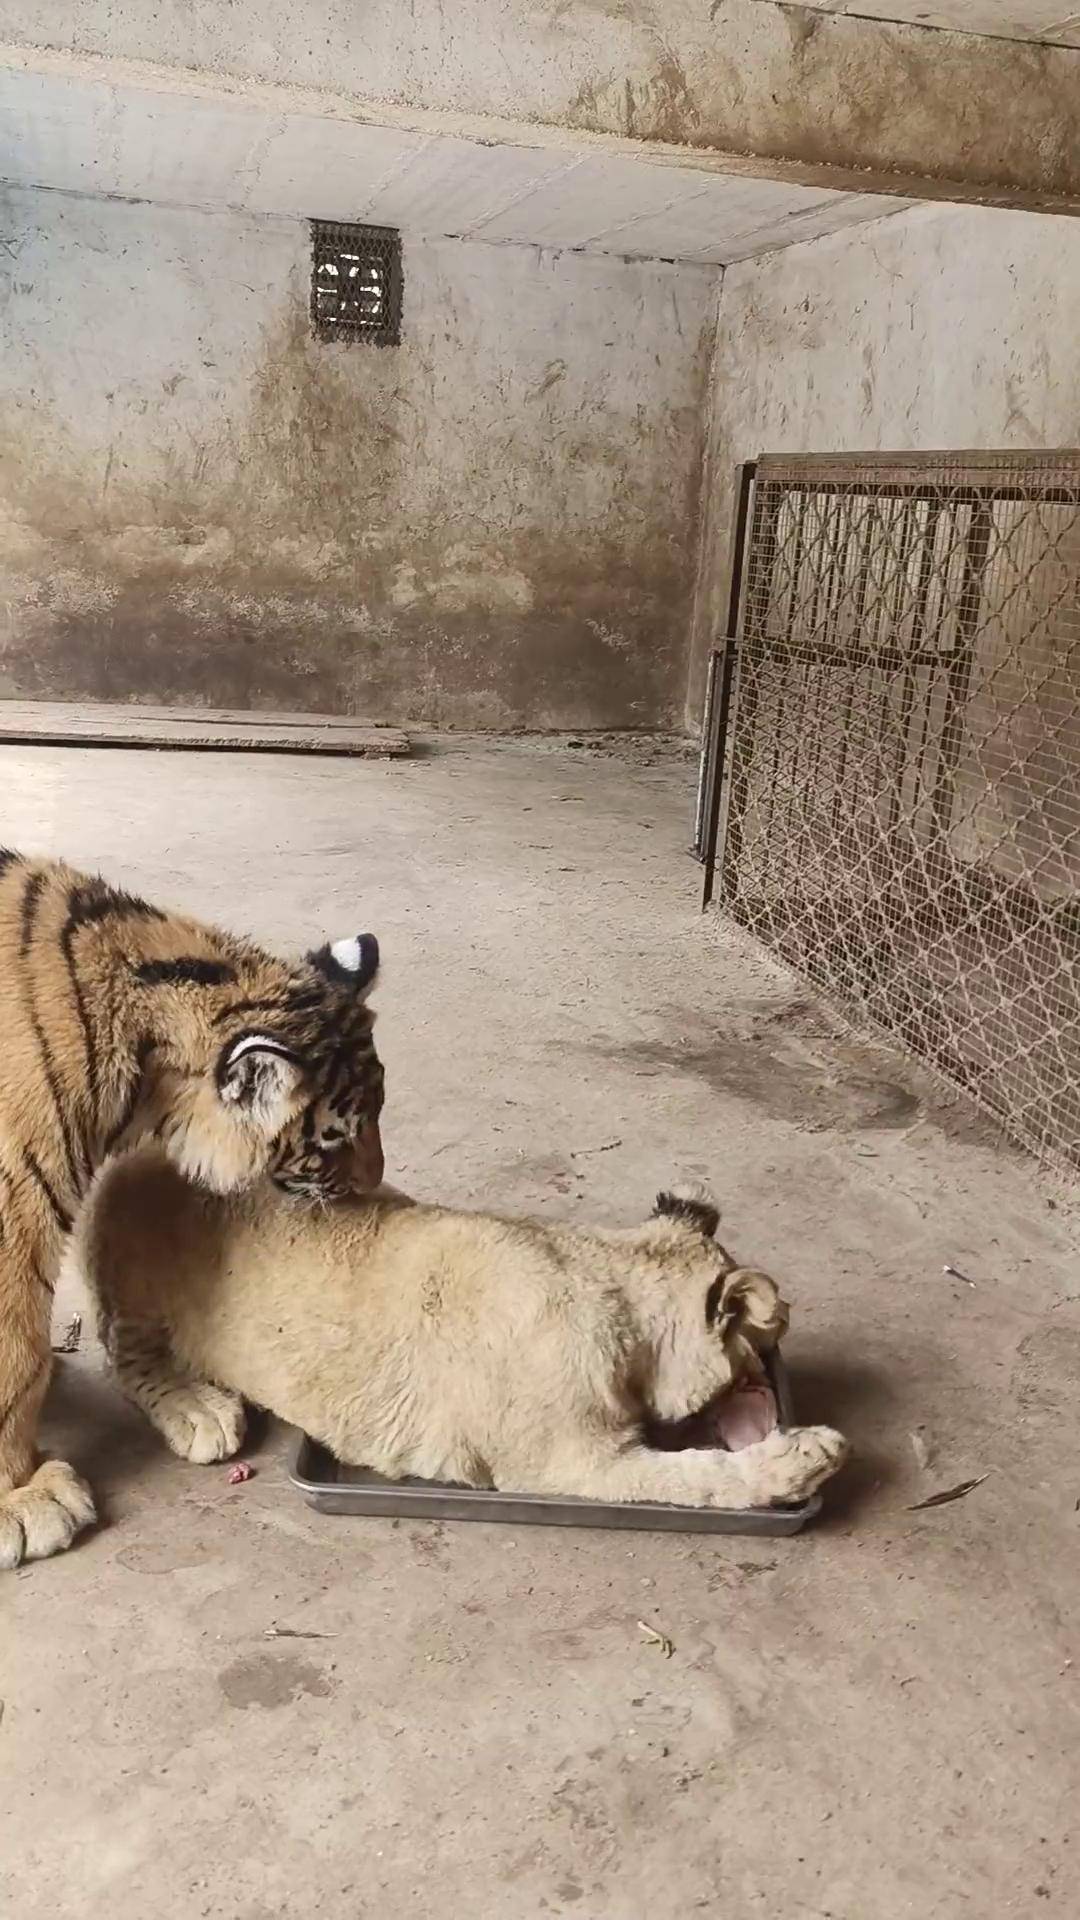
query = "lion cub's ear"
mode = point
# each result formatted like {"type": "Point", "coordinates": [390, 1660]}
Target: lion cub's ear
{"type": "Point", "coordinates": [692, 1206]}
{"type": "Point", "coordinates": [748, 1299]}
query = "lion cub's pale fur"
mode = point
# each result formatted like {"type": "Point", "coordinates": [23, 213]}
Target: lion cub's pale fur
{"type": "Point", "coordinates": [455, 1346]}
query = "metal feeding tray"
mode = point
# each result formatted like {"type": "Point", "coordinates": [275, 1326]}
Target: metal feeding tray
{"type": "Point", "coordinates": [333, 1488]}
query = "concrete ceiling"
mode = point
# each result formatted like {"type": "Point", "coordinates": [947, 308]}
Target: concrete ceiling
{"type": "Point", "coordinates": [1054, 21]}
{"type": "Point", "coordinates": [184, 150]}
{"type": "Point", "coordinates": [816, 97]}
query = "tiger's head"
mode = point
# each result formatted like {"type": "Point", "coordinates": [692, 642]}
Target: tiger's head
{"type": "Point", "coordinates": [334, 1146]}
{"type": "Point", "coordinates": [273, 1071]}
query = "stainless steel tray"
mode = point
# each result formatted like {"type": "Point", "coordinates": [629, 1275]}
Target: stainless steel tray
{"type": "Point", "coordinates": [331, 1487]}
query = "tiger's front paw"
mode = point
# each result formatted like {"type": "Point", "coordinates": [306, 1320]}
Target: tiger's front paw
{"type": "Point", "coordinates": [43, 1517]}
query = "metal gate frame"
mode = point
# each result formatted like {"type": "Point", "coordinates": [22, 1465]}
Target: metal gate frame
{"type": "Point", "coordinates": [968, 490]}
{"type": "Point", "coordinates": [722, 661]}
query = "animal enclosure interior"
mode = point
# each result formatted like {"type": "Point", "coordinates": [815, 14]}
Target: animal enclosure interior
{"type": "Point", "coordinates": [500, 489]}
{"type": "Point", "coordinates": [487, 458]}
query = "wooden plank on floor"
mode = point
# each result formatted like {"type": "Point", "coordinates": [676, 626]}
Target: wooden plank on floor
{"type": "Point", "coordinates": [63, 723]}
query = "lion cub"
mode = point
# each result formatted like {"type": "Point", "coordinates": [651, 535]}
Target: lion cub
{"type": "Point", "coordinates": [417, 1340]}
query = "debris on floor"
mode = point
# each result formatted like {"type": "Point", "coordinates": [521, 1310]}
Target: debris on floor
{"type": "Point", "coordinates": [658, 1639]}
{"type": "Point", "coordinates": [71, 1338]}
{"type": "Point", "coordinates": [954, 1273]}
{"type": "Point", "coordinates": [294, 1633]}
{"type": "Point", "coordinates": [242, 1471]}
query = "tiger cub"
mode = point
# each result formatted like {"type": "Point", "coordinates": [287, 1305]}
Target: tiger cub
{"type": "Point", "coordinates": [121, 1022]}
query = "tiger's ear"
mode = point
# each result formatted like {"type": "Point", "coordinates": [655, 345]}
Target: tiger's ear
{"type": "Point", "coordinates": [261, 1075]}
{"type": "Point", "coordinates": [349, 963]}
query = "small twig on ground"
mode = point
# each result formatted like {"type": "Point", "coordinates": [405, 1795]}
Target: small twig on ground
{"type": "Point", "coordinates": [582, 1153]}
{"type": "Point", "coordinates": [294, 1633]}
{"type": "Point", "coordinates": [955, 1274]}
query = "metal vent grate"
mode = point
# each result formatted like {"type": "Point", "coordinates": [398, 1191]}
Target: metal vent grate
{"type": "Point", "coordinates": [356, 283]}
{"type": "Point", "coordinates": [895, 761]}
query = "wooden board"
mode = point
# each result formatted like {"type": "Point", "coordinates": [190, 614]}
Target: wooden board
{"type": "Point", "coordinates": [59, 723]}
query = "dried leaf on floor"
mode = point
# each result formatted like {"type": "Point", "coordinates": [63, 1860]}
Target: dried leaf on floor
{"type": "Point", "coordinates": [943, 1498]}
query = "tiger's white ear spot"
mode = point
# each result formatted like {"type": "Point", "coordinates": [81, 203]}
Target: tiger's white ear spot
{"type": "Point", "coordinates": [353, 962]}
{"type": "Point", "coordinates": [348, 954]}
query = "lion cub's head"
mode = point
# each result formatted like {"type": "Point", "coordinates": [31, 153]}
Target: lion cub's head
{"type": "Point", "coordinates": [718, 1317]}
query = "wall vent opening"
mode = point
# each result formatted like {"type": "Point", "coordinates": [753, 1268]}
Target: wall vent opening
{"type": "Point", "coordinates": [356, 282]}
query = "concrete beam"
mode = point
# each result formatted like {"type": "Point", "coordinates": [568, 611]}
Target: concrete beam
{"type": "Point", "coordinates": [747, 86]}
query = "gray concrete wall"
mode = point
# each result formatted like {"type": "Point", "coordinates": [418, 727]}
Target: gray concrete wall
{"type": "Point", "coordinates": [493, 525]}
{"type": "Point", "coordinates": [936, 328]}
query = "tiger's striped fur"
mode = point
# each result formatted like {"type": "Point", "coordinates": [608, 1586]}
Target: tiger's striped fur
{"type": "Point", "coordinates": [121, 1022]}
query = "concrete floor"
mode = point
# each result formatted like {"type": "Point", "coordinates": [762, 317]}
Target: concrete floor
{"type": "Point", "coordinates": [877, 1719]}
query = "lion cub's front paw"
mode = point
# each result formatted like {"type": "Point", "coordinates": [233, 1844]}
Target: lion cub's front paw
{"type": "Point", "coordinates": [787, 1467]}
{"type": "Point", "coordinates": [200, 1422]}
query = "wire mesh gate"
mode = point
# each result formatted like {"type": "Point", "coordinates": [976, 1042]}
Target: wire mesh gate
{"type": "Point", "coordinates": [890, 793]}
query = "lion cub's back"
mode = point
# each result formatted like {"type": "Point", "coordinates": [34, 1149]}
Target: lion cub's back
{"type": "Point", "coordinates": [141, 1233]}
{"type": "Point", "coordinates": [151, 1244]}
